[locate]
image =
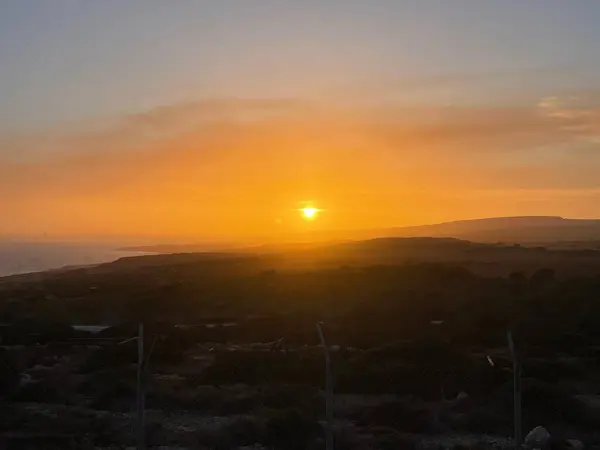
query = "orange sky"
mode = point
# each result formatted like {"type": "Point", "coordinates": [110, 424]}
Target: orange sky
{"type": "Point", "coordinates": [218, 120]}
{"type": "Point", "coordinates": [233, 169]}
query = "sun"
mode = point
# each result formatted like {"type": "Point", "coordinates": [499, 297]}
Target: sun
{"type": "Point", "coordinates": [310, 213]}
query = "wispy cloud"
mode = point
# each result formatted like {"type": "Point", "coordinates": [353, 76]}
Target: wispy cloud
{"type": "Point", "coordinates": [221, 163]}
{"type": "Point", "coordinates": [461, 83]}
{"type": "Point", "coordinates": [574, 116]}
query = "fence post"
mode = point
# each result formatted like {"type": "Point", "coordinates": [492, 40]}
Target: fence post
{"type": "Point", "coordinates": [328, 391]}
{"type": "Point", "coordinates": [516, 360]}
{"type": "Point", "coordinates": [141, 397]}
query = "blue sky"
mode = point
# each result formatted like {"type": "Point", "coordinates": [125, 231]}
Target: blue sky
{"type": "Point", "coordinates": [71, 59]}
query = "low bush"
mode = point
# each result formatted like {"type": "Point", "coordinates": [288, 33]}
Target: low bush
{"type": "Point", "coordinates": [255, 368]}
{"type": "Point", "coordinates": [291, 430]}
{"type": "Point", "coordinates": [409, 415]}
{"type": "Point", "coordinates": [113, 356]}
{"type": "Point", "coordinates": [41, 391]}
{"type": "Point", "coordinates": [9, 372]}
{"type": "Point", "coordinates": [542, 403]}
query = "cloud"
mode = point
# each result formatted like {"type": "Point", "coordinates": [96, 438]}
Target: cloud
{"type": "Point", "coordinates": [142, 128]}
{"type": "Point", "coordinates": [246, 135]}
{"type": "Point", "coordinates": [444, 130]}
{"type": "Point", "coordinates": [573, 116]}
{"type": "Point", "coordinates": [230, 166]}
{"type": "Point", "coordinates": [486, 83]}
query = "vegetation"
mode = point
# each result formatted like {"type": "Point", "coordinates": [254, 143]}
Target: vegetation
{"type": "Point", "coordinates": [417, 348]}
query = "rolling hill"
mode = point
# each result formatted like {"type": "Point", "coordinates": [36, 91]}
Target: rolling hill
{"type": "Point", "coordinates": [551, 231]}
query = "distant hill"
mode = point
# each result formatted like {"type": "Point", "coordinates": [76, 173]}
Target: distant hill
{"type": "Point", "coordinates": [230, 284]}
{"type": "Point", "coordinates": [549, 231]}
{"type": "Point", "coordinates": [523, 230]}
{"type": "Point", "coordinates": [480, 257]}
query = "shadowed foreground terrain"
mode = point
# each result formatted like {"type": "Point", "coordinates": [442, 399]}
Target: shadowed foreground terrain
{"type": "Point", "coordinates": [417, 329]}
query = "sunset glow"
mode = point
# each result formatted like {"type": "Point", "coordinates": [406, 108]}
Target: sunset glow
{"type": "Point", "coordinates": [249, 128]}
{"type": "Point", "coordinates": [411, 179]}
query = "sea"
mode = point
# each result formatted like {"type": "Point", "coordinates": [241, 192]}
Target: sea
{"type": "Point", "coordinates": [26, 257]}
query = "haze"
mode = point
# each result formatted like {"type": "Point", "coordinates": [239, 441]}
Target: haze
{"type": "Point", "coordinates": [219, 120]}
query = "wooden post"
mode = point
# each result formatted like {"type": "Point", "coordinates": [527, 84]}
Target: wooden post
{"type": "Point", "coordinates": [516, 360]}
{"type": "Point", "coordinates": [328, 391]}
{"type": "Point", "coordinates": [141, 432]}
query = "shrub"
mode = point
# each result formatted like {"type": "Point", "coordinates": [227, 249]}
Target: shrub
{"type": "Point", "coordinates": [409, 415]}
{"type": "Point", "coordinates": [255, 367]}
{"type": "Point", "coordinates": [39, 392]}
{"type": "Point", "coordinates": [109, 357]}
{"type": "Point", "coordinates": [542, 403]}
{"type": "Point", "coordinates": [291, 430]}
{"type": "Point", "coordinates": [9, 373]}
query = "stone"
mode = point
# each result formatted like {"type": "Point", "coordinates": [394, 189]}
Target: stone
{"type": "Point", "coordinates": [574, 444]}
{"type": "Point", "coordinates": [462, 396]}
{"type": "Point", "coordinates": [538, 438]}
{"type": "Point", "coordinates": [590, 407]}
{"type": "Point", "coordinates": [462, 403]}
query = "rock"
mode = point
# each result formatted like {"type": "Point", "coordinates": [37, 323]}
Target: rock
{"type": "Point", "coordinates": [538, 438]}
{"type": "Point", "coordinates": [26, 379]}
{"type": "Point", "coordinates": [462, 396]}
{"type": "Point", "coordinates": [462, 403]}
{"type": "Point", "coordinates": [566, 444]}
{"type": "Point", "coordinates": [589, 406]}
{"type": "Point", "coordinates": [574, 444]}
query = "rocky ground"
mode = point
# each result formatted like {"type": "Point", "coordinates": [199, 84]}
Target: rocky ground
{"type": "Point", "coordinates": [419, 355]}
{"type": "Point", "coordinates": [269, 396]}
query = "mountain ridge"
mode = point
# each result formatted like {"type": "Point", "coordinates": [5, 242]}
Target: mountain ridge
{"type": "Point", "coordinates": [526, 230]}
